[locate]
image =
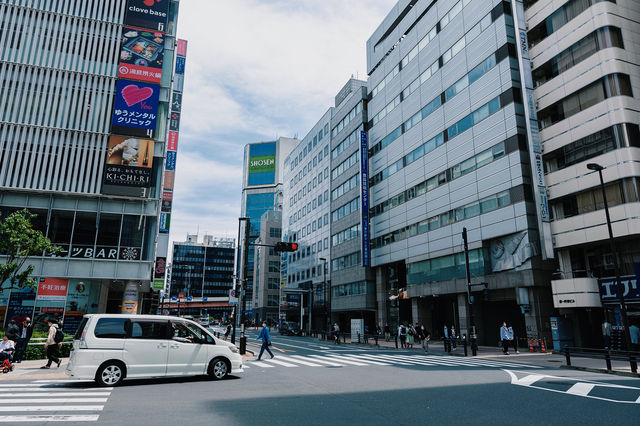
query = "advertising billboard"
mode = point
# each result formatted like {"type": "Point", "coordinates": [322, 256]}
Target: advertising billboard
{"type": "Point", "coordinates": [161, 267]}
{"type": "Point", "coordinates": [169, 178]}
{"type": "Point", "coordinates": [172, 141]}
{"type": "Point", "coordinates": [165, 222]}
{"type": "Point", "coordinates": [52, 289]}
{"type": "Point", "coordinates": [135, 108]}
{"type": "Point", "coordinates": [171, 160]}
{"type": "Point", "coordinates": [176, 102]}
{"type": "Point", "coordinates": [262, 164]}
{"type": "Point", "coordinates": [180, 62]}
{"type": "Point", "coordinates": [148, 14]}
{"type": "Point", "coordinates": [364, 197]}
{"type": "Point", "coordinates": [129, 162]}
{"type": "Point", "coordinates": [182, 47]}
{"type": "Point", "coordinates": [141, 55]}
{"type": "Point", "coordinates": [174, 121]}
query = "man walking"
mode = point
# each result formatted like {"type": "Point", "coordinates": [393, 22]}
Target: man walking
{"type": "Point", "coordinates": [425, 341]}
{"type": "Point", "coordinates": [513, 340]}
{"type": "Point", "coordinates": [387, 332]}
{"type": "Point", "coordinates": [504, 336]}
{"type": "Point", "coordinates": [53, 341]}
{"type": "Point", "coordinates": [24, 335]}
{"type": "Point", "coordinates": [402, 333]}
{"type": "Point", "coordinates": [266, 340]}
{"type": "Point", "coordinates": [447, 343]}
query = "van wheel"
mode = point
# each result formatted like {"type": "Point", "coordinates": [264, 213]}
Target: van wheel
{"type": "Point", "coordinates": [110, 374]}
{"type": "Point", "coordinates": [218, 369]}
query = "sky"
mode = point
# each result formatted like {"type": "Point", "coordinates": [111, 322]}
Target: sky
{"type": "Point", "coordinates": [256, 70]}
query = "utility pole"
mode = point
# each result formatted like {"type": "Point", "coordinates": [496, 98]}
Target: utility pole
{"type": "Point", "coordinates": [327, 307]}
{"type": "Point", "coordinates": [474, 343]}
{"type": "Point", "coordinates": [243, 283]}
{"type": "Point", "coordinates": [236, 287]}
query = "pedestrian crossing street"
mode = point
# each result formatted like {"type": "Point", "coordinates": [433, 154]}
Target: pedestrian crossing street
{"type": "Point", "coordinates": [51, 401]}
{"type": "Point", "coordinates": [328, 359]}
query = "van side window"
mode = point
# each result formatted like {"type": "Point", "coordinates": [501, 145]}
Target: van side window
{"type": "Point", "coordinates": [184, 332]}
{"type": "Point", "coordinates": [111, 328]}
{"type": "Point", "coordinates": [149, 330]}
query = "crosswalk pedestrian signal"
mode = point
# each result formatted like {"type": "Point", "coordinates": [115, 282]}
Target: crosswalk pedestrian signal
{"type": "Point", "coordinates": [284, 246]}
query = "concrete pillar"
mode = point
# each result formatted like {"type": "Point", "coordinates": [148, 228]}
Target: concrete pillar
{"type": "Point", "coordinates": [463, 326]}
{"type": "Point", "coordinates": [541, 308]}
{"type": "Point", "coordinates": [382, 298]}
{"type": "Point", "coordinates": [130, 298]}
{"type": "Point", "coordinates": [104, 296]}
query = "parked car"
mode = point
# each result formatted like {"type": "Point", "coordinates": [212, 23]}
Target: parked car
{"type": "Point", "coordinates": [290, 328]}
{"type": "Point", "coordinates": [109, 348]}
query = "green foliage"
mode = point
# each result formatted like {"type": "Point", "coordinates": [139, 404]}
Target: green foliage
{"type": "Point", "coordinates": [40, 352]}
{"type": "Point", "coordinates": [18, 241]}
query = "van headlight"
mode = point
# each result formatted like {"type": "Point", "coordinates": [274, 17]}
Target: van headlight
{"type": "Point", "coordinates": [234, 349]}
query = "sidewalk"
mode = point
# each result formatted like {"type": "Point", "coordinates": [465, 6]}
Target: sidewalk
{"type": "Point", "coordinates": [547, 360]}
{"type": "Point", "coordinates": [32, 370]}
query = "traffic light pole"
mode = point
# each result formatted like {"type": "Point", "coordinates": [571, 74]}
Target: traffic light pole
{"type": "Point", "coordinates": [243, 285]}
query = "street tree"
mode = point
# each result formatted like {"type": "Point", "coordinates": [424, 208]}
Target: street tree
{"type": "Point", "coordinates": [18, 241]}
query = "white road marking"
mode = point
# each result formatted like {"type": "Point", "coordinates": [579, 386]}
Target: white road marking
{"type": "Point", "coordinates": [261, 364]}
{"type": "Point", "coordinates": [299, 361]}
{"type": "Point", "coordinates": [346, 360]}
{"type": "Point", "coordinates": [31, 388]}
{"type": "Point", "coordinates": [49, 400]}
{"type": "Point", "coordinates": [66, 394]}
{"type": "Point", "coordinates": [284, 364]}
{"type": "Point", "coordinates": [581, 388]}
{"type": "Point", "coordinates": [325, 360]}
{"type": "Point", "coordinates": [53, 408]}
{"type": "Point", "coordinates": [364, 358]}
{"type": "Point", "coordinates": [45, 418]}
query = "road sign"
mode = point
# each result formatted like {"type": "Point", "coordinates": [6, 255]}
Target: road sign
{"type": "Point", "coordinates": [174, 298]}
{"type": "Point", "coordinates": [189, 298]}
{"type": "Point", "coordinates": [204, 298]}
{"type": "Point", "coordinates": [181, 295]}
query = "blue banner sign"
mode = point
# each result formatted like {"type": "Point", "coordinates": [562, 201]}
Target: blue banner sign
{"type": "Point", "coordinates": [135, 108]}
{"type": "Point", "coordinates": [609, 288]}
{"type": "Point", "coordinates": [364, 197]}
{"type": "Point", "coordinates": [180, 62]}
{"type": "Point", "coordinates": [171, 160]}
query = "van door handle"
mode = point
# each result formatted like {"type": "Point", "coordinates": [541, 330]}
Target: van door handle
{"type": "Point", "coordinates": [175, 346]}
{"type": "Point", "coordinates": [162, 345]}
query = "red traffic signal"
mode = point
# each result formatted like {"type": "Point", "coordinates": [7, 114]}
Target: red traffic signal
{"type": "Point", "coordinates": [284, 246]}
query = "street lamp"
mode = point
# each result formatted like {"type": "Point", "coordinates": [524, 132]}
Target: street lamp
{"type": "Point", "coordinates": [623, 309]}
{"type": "Point", "coordinates": [327, 307]}
{"type": "Point", "coordinates": [243, 280]}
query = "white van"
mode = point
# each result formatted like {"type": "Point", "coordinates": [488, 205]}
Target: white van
{"type": "Point", "coordinates": [108, 348]}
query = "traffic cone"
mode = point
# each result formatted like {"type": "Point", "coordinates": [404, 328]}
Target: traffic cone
{"type": "Point", "coordinates": [543, 348]}
{"type": "Point", "coordinates": [531, 345]}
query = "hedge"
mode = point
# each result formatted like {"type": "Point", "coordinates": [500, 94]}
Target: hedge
{"type": "Point", "coordinates": [40, 352]}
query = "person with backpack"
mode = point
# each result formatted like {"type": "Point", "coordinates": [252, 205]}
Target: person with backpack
{"type": "Point", "coordinates": [402, 333]}
{"type": "Point", "coordinates": [54, 340]}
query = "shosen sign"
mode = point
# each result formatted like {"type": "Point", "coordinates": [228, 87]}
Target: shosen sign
{"type": "Point", "coordinates": [263, 163]}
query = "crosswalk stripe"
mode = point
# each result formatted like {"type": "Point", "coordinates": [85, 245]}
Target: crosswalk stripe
{"type": "Point", "coordinates": [61, 381]}
{"type": "Point", "coordinates": [52, 388]}
{"type": "Point", "coordinates": [346, 361]}
{"type": "Point", "coordinates": [261, 364]}
{"type": "Point", "coordinates": [49, 400]}
{"type": "Point", "coordinates": [394, 359]}
{"type": "Point", "coordinates": [581, 389]}
{"type": "Point", "coordinates": [299, 361]}
{"type": "Point", "coordinates": [412, 359]}
{"type": "Point", "coordinates": [282, 363]}
{"type": "Point", "coordinates": [486, 362]}
{"type": "Point", "coordinates": [377, 357]}
{"type": "Point", "coordinates": [53, 408]}
{"type": "Point", "coordinates": [364, 358]}
{"type": "Point", "coordinates": [324, 360]}
{"type": "Point", "coordinates": [21, 395]}
{"type": "Point", "coordinates": [46, 418]}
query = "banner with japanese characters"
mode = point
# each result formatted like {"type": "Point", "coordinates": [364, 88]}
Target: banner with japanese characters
{"type": "Point", "coordinates": [52, 289]}
{"type": "Point", "coordinates": [135, 109]}
{"type": "Point", "coordinates": [141, 55]}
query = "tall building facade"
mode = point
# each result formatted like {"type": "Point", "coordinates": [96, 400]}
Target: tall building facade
{"type": "Point", "coordinates": [449, 148]}
{"type": "Point", "coordinates": [306, 221]}
{"type": "Point", "coordinates": [201, 277]}
{"type": "Point", "coordinates": [586, 83]}
{"type": "Point", "coordinates": [262, 185]}
{"type": "Point", "coordinates": [353, 292]}
{"type": "Point", "coordinates": [83, 122]}
{"type": "Point", "coordinates": [266, 288]}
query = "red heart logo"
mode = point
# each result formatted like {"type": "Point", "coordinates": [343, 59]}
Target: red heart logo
{"type": "Point", "coordinates": [132, 94]}
{"type": "Point", "coordinates": [148, 3]}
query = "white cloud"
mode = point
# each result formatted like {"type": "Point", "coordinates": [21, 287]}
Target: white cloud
{"type": "Point", "coordinates": [256, 69]}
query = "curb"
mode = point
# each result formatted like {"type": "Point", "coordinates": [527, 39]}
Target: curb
{"type": "Point", "coordinates": [600, 370]}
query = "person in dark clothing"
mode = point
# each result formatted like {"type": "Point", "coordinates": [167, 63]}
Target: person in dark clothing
{"type": "Point", "coordinates": [402, 334]}
{"type": "Point", "coordinates": [52, 345]}
{"type": "Point", "coordinates": [266, 340]}
{"type": "Point", "coordinates": [12, 331]}
{"type": "Point", "coordinates": [387, 332]}
{"type": "Point", "coordinates": [24, 335]}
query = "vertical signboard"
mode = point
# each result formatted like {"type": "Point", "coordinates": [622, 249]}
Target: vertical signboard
{"type": "Point", "coordinates": [172, 141]}
{"type": "Point", "coordinates": [141, 55]}
{"type": "Point", "coordinates": [364, 197]}
{"type": "Point", "coordinates": [129, 162]}
{"type": "Point", "coordinates": [531, 118]}
{"type": "Point", "coordinates": [135, 108]}
{"type": "Point", "coordinates": [21, 304]}
{"type": "Point", "coordinates": [148, 14]}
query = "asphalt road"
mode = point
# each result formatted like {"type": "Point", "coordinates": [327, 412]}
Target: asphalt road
{"type": "Point", "coordinates": [313, 383]}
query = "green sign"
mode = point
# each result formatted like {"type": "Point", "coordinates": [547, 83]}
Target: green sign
{"type": "Point", "coordinates": [158, 284]}
{"type": "Point", "coordinates": [262, 163]}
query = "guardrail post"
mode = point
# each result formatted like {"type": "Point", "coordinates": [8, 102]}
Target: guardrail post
{"type": "Point", "coordinates": [464, 342]}
{"type": "Point", "coordinates": [358, 338]}
{"type": "Point", "coordinates": [607, 358]}
{"type": "Point", "coordinates": [568, 356]}
{"type": "Point", "coordinates": [632, 362]}
{"type": "Point", "coordinates": [396, 339]}
{"type": "Point", "coordinates": [376, 338]}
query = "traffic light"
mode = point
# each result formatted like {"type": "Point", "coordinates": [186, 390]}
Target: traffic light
{"type": "Point", "coordinates": [284, 246]}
